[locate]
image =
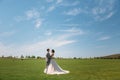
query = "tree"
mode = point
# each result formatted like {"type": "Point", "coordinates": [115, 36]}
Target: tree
{"type": "Point", "coordinates": [38, 57]}
{"type": "Point", "coordinates": [32, 56]}
{"type": "Point", "coordinates": [2, 56]}
{"type": "Point", "coordinates": [74, 58]}
{"type": "Point", "coordinates": [27, 57]}
{"type": "Point", "coordinates": [22, 57]}
{"type": "Point", "coordinates": [118, 57]}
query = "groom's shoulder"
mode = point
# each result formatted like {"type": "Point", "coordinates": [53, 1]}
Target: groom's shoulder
{"type": "Point", "coordinates": [48, 53]}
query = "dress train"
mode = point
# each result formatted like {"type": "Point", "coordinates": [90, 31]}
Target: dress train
{"type": "Point", "coordinates": [54, 68]}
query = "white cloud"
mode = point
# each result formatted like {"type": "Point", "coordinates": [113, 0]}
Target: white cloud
{"type": "Point", "coordinates": [54, 6]}
{"type": "Point", "coordinates": [59, 1]}
{"type": "Point", "coordinates": [38, 23]}
{"type": "Point", "coordinates": [74, 12]}
{"type": "Point", "coordinates": [49, 1]}
{"type": "Point", "coordinates": [98, 10]}
{"type": "Point", "coordinates": [37, 47]}
{"type": "Point", "coordinates": [69, 19]}
{"type": "Point", "coordinates": [51, 8]}
{"type": "Point", "coordinates": [32, 14]}
{"type": "Point", "coordinates": [7, 50]}
{"type": "Point", "coordinates": [101, 14]}
{"type": "Point", "coordinates": [65, 42]}
{"type": "Point", "coordinates": [74, 31]}
{"type": "Point", "coordinates": [108, 16]}
{"type": "Point", "coordinates": [71, 25]}
{"type": "Point", "coordinates": [104, 38]}
{"type": "Point", "coordinates": [48, 33]}
{"type": "Point", "coordinates": [103, 10]}
{"type": "Point", "coordinates": [75, 3]}
{"type": "Point", "coordinates": [6, 34]}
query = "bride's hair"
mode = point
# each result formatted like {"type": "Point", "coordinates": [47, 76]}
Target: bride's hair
{"type": "Point", "coordinates": [53, 51]}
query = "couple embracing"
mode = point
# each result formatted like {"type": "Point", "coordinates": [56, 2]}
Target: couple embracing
{"type": "Point", "coordinates": [51, 66]}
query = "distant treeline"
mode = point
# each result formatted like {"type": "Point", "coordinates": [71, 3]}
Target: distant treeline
{"type": "Point", "coordinates": [114, 56]}
{"type": "Point", "coordinates": [23, 57]}
{"type": "Point", "coordinates": [33, 57]}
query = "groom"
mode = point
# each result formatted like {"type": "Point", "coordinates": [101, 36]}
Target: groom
{"type": "Point", "coordinates": [48, 58]}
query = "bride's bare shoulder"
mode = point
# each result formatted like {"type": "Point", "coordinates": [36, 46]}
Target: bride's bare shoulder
{"type": "Point", "coordinates": [52, 54]}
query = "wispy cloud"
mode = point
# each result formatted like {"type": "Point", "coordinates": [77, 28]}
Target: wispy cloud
{"type": "Point", "coordinates": [55, 4]}
{"type": "Point", "coordinates": [48, 33]}
{"type": "Point", "coordinates": [103, 10]}
{"type": "Point", "coordinates": [108, 16]}
{"type": "Point", "coordinates": [102, 14]}
{"type": "Point", "coordinates": [31, 15]}
{"type": "Point", "coordinates": [69, 19]}
{"type": "Point", "coordinates": [75, 3]}
{"type": "Point", "coordinates": [104, 38]}
{"type": "Point", "coordinates": [35, 48]}
{"type": "Point", "coordinates": [38, 23]}
{"type": "Point", "coordinates": [71, 25]}
{"type": "Point", "coordinates": [51, 8]}
{"type": "Point", "coordinates": [7, 50]}
{"type": "Point", "coordinates": [100, 46]}
{"type": "Point", "coordinates": [6, 34]}
{"type": "Point", "coordinates": [38, 46]}
{"type": "Point", "coordinates": [74, 12]}
{"type": "Point", "coordinates": [49, 1]}
{"type": "Point", "coordinates": [56, 1]}
{"type": "Point", "coordinates": [74, 31]}
{"type": "Point", "coordinates": [64, 42]}
{"type": "Point", "coordinates": [35, 16]}
{"type": "Point", "coordinates": [59, 1]}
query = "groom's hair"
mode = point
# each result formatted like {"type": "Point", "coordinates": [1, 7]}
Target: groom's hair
{"type": "Point", "coordinates": [48, 50]}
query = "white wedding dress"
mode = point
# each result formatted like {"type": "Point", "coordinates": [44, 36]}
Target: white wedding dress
{"type": "Point", "coordinates": [54, 68]}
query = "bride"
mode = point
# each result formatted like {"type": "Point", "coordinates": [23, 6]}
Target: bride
{"type": "Point", "coordinates": [53, 67]}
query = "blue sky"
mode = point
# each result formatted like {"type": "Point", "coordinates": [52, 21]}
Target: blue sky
{"type": "Point", "coordinates": [74, 28]}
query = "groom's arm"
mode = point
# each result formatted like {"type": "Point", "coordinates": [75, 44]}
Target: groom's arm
{"type": "Point", "coordinates": [48, 56]}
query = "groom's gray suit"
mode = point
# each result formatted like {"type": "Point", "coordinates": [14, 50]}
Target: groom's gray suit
{"type": "Point", "coordinates": [48, 59]}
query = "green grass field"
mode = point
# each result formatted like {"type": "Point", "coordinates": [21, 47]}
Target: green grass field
{"type": "Point", "coordinates": [96, 69]}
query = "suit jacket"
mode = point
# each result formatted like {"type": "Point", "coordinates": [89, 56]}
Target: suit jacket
{"type": "Point", "coordinates": [48, 58]}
